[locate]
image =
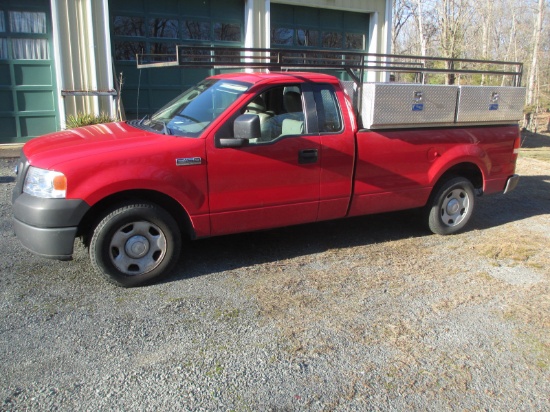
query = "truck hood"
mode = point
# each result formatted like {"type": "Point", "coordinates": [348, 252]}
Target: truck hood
{"type": "Point", "coordinates": [54, 148]}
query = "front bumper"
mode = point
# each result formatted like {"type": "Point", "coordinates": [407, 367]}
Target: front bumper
{"type": "Point", "coordinates": [48, 227]}
{"type": "Point", "coordinates": [51, 243]}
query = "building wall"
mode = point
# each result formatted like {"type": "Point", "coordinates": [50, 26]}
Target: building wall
{"type": "Point", "coordinates": [83, 36]}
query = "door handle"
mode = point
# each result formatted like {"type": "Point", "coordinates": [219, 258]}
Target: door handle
{"type": "Point", "coordinates": [308, 156]}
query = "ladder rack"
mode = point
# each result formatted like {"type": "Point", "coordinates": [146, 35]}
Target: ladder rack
{"type": "Point", "coordinates": [356, 64]}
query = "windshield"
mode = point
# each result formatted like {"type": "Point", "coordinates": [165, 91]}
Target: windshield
{"type": "Point", "coordinates": [194, 110]}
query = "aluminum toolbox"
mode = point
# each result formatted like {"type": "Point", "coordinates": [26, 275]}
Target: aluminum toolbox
{"type": "Point", "coordinates": [490, 104]}
{"type": "Point", "coordinates": [389, 105]}
{"type": "Point", "coordinates": [351, 89]}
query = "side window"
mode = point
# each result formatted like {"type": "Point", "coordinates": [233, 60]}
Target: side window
{"type": "Point", "coordinates": [281, 113]}
{"type": "Point", "coordinates": [328, 111]}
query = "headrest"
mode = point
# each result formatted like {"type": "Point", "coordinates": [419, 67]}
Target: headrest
{"type": "Point", "coordinates": [257, 105]}
{"type": "Point", "coordinates": [293, 102]}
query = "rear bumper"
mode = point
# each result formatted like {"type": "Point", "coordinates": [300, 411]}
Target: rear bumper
{"type": "Point", "coordinates": [511, 183]}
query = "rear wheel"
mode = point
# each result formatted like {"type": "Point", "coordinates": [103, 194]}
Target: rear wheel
{"type": "Point", "coordinates": [451, 206]}
{"type": "Point", "coordinates": [134, 244]}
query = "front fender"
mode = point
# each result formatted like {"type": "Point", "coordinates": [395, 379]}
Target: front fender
{"type": "Point", "coordinates": [186, 185]}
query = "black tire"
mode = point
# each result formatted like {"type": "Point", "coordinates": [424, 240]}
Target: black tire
{"type": "Point", "coordinates": [134, 244]}
{"type": "Point", "coordinates": [451, 206]}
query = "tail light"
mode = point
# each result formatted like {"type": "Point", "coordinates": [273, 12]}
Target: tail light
{"type": "Point", "coordinates": [517, 145]}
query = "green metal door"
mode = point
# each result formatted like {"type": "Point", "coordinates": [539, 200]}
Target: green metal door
{"type": "Point", "coordinates": [142, 26]}
{"type": "Point", "coordinates": [28, 99]}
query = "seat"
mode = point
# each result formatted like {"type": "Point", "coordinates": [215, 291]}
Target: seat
{"type": "Point", "coordinates": [294, 114]}
{"type": "Point", "coordinates": [292, 126]}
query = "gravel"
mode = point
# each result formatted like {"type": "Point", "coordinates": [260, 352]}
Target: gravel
{"type": "Point", "coordinates": [362, 314]}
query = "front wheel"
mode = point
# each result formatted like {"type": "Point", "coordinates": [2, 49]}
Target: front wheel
{"type": "Point", "coordinates": [134, 244]}
{"type": "Point", "coordinates": [451, 207]}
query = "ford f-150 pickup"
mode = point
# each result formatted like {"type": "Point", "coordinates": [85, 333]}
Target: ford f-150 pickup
{"type": "Point", "coordinates": [249, 151]}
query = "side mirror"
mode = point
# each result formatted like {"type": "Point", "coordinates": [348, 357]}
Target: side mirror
{"type": "Point", "coordinates": [245, 128]}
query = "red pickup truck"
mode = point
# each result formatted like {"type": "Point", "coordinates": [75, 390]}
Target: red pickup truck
{"type": "Point", "coordinates": [242, 152]}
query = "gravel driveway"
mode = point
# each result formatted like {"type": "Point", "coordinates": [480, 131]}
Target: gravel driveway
{"type": "Point", "coordinates": [371, 313]}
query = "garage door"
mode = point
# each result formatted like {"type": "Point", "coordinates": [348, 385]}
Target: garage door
{"type": "Point", "coordinates": [315, 28]}
{"type": "Point", "coordinates": [28, 101]}
{"type": "Point", "coordinates": [307, 27]}
{"type": "Point", "coordinates": [157, 27]}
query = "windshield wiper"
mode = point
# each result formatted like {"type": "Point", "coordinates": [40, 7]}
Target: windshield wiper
{"type": "Point", "coordinates": [143, 119]}
{"type": "Point", "coordinates": [165, 128]}
{"type": "Point", "coordinates": [152, 122]}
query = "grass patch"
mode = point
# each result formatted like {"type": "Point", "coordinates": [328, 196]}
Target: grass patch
{"type": "Point", "coordinates": [539, 154]}
{"type": "Point", "coordinates": [511, 244]}
{"type": "Point", "coordinates": [531, 308]}
{"type": "Point", "coordinates": [535, 146]}
{"type": "Point", "coordinates": [226, 314]}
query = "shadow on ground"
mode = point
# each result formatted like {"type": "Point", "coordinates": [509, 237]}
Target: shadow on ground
{"type": "Point", "coordinates": [248, 249]}
{"type": "Point", "coordinates": [531, 198]}
{"type": "Point", "coordinates": [531, 140]}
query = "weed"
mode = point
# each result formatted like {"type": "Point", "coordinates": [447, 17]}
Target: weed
{"type": "Point", "coordinates": [226, 314]}
{"type": "Point", "coordinates": [216, 370]}
{"type": "Point", "coordinates": [87, 119]}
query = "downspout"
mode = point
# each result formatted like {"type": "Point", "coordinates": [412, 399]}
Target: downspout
{"type": "Point", "coordinates": [373, 44]}
{"type": "Point", "coordinates": [59, 78]}
{"type": "Point", "coordinates": [249, 23]}
{"type": "Point", "coordinates": [249, 31]}
{"type": "Point", "coordinates": [387, 38]}
{"type": "Point", "coordinates": [267, 24]}
{"type": "Point", "coordinates": [109, 57]}
{"type": "Point", "coordinates": [91, 72]}
{"type": "Point", "coordinates": [388, 27]}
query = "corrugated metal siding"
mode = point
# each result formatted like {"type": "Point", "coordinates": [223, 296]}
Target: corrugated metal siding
{"type": "Point", "coordinates": [84, 54]}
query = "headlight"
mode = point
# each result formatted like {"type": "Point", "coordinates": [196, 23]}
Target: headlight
{"type": "Point", "coordinates": [45, 183]}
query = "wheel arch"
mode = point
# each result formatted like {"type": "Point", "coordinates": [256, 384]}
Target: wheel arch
{"type": "Point", "coordinates": [97, 211]}
{"type": "Point", "coordinates": [468, 170]}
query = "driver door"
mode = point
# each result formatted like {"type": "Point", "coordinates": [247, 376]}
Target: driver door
{"type": "Point", "coordinates": [270, 181]}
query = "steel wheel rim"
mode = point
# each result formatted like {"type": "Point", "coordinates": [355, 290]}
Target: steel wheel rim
{"type": "Point", "coordinates": [455, 207]}
{"type": "Point", "coordinates": [137, 248]}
